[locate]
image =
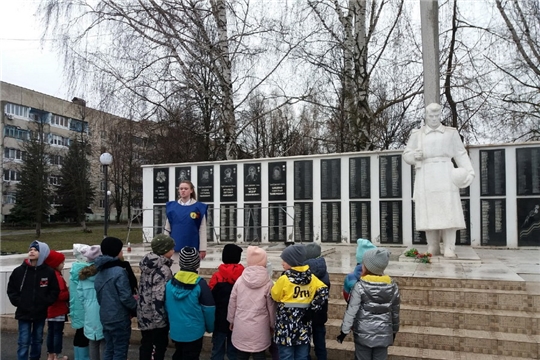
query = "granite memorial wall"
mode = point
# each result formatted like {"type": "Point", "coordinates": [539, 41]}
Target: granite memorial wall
{"type": "Point", "coordinates": [340, 198]}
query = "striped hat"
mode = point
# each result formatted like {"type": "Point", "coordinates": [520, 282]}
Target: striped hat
{"type": "Point", "coordinates": [189, 259]}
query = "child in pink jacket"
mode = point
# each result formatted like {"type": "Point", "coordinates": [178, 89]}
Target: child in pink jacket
{"type": "Point", "coordinates": [252, 312]}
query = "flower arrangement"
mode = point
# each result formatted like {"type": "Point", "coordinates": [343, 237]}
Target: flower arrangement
{"type": "Point", "coordinates": [424, 258]}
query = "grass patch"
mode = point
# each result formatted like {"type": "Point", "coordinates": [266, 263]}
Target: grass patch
{"type": "Point", "coordinates": [65, 238]}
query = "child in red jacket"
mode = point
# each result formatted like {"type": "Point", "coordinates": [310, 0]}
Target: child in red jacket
{"type": "Point", "coordinates": [56, 314]}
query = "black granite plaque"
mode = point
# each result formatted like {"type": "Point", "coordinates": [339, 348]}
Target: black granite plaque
{"type": "Point", "coordinates": [331, 179]}
{"type": "Point", "coordinates": [303, 222]}
{"type": "Point", "coordinates": [228, 183]}
{"type": "Point", "coordinates": [390, 176]}
{"type": "Point", "coordinates": [528, 171]}
{"type": "Point", "coordinates": [359, 178]}
{"type": "Point", "coordinates": [277, 222]}
{"type": "Point", "coordinates": [227, 222]}
{"type": "Point", "coordinates": [277, 181]}
{"type": "Point", "coordinates": [252, 222]}
{"type": "Point", "coordinates": [391, 226]}
{"type": "Point", "coordinates": [331, 221]}
{"type": "Point", "coordinates": [528, 215]}
{"type": "Point", "coordinates": [161, 185]}
{"type": "Point", "coordinates": [360, 220]}
{"type": "Point", "coordinates": [418, 237]}
{"type": "Point", "coordinates": [492, 173]}
{"type": "Point", "coordinates": [493, 222]}
{"type": "Point", "coordinates": [205, 183]}
{"type": "Point", "coordinates": [181, 174]}
{"type": "Point", "coordinates": [210, 229]}
{"type": "Point", "coordinates": [252, 182]}
{"type": "Point", "coordinates": [160, 219]}
{"type": "Point", "coordinates": [463, 237]}
{"type": "Point", "coordinates": [303, 180]}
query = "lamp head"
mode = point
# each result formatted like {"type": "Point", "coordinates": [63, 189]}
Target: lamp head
{"type": "Point", "coordinates": [105, 159]}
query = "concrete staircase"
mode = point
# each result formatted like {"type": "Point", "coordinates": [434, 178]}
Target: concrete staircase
{"type": "Point", "coordinates": [451, 319]}
{"type": "Point", "coordinates": [441, 318]}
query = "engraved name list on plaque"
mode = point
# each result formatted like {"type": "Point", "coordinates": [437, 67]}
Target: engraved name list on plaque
{"type": "Point", "coordinates": [493, 222]}
{"type": "Point", "coordinates": [252, 222]}
{"type": "Point", "coordinates": [303, 180]}
{"type": "Point", "coordinates": [331, 221]}
{"type": "Point", "coordinates": [391, 222]}
{"type": "Point", "coordinates": [492, 173]}
{"type": "Point", "coordinates": [390, 176]}
{"type": "Point", "coordinates": [360, 220]}
{"type": "Point", "coordinates": [303, 221]}
{"type": "Point", "coordinates": [528, 171]}
{"type": "Point", "coordinates": [228, 222]}
{"type": "Point", "coordinates": [359, 176]}
{"type": "Point", "coordinates": [330, 179]}
{"type": "Point", "coordinates": [277, 222]}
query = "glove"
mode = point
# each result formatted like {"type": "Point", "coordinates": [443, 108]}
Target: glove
{"type": "Point", "coordinates": [308, 316]}
{"type": "Point", "coordinates": [341, 337]}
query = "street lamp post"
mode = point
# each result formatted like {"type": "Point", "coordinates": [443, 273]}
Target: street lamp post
{"type": "Point", "coordinates": [106, 160]}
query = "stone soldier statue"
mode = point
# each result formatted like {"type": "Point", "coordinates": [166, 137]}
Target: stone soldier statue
{"type": "Point", "coordinates": [438, 209]}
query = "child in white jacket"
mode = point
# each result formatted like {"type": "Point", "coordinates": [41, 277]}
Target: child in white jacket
{"type": "Point", "coordinates": [252, 312]}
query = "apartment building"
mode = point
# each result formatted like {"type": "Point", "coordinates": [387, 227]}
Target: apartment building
{"type": "Point", "coordinates": [62, 121]}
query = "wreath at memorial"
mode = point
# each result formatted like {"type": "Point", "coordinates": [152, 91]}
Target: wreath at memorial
{"type": "Point", "coordinates": [424, 258]}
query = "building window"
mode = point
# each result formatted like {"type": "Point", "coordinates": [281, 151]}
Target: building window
{"type": "Point", "coordinates": [14, 154]}
{"type": "Point", "coordinates": [56, 159]}
{"type": "Point", "coordinates": [18, 110]}
{"type": "Point", "coordinates": [10, 198]}
{"type": "Point", "coordinates": [16, 132]}
{"type": "Point", "coordinates": [60, 121]}
{"type": "Point", "coordinates": [59, 140]}
{"type": "Point", "coordinates": [102, 186]}
{"type": "Point", "coordinates": [54, 180]}
{"type": "Point", "coordinates": [102, 203]}
{"type": "Point", "coordinates": [78, 125]}
{"type": "Point", "coordinates": [11, 175]}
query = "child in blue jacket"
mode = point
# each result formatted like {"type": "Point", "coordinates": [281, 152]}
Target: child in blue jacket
{"type": "Point", "coordinates": [190, 306]}
{"type": "Point", "coordinates": [351, 278]}
{"type": "Point", "coordinates": [116, 302]}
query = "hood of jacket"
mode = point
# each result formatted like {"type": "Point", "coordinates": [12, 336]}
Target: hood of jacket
{"type": "Point", "coordinates": [87, 272]}
{"type": "Point", "coordinates": [103, 262]}
{"type": "Point", "coordinates": [230, 272]}
{"type": "Point", "coordinates": [299, 275]}
{"type": "Point", "coordinates": [183, 283]}
{"type": "Point", "coordinates": [317, 267]}
{"type": "Point", "coordinates": [255, 277]}
{"type": "Point", "coordinates": [152, 262]}
{"type": "Point", "coordinates": [379, 287]}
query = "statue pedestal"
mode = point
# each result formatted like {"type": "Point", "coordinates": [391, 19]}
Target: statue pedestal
{"type": "Point", "coordinates": [464, 255]}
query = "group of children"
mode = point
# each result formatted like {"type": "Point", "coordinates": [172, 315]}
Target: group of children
{"type": "Point", "coordinates": [245, 310]}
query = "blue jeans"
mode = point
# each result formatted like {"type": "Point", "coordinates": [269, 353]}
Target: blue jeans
{"type": "Point", "coordinates": [297, 352]}
{"type": "Point", "coordinates": [54, 337]}
{"type": "Point", "coordinates": [117, 341]}
{"type": "Point", "coordinates": [221, 344]}
{"type": "Point", "coordinates": [30, 336]}
{"type": "Point", "coordinates": [319, 341]}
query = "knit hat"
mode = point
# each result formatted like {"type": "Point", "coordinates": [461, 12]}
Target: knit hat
{"type": "Point", "coordinates": [363, 246]}
{"type": "Point", "coordinates": [78, 251]}
{"type": "Point", "coordinates": [256, 256]}
{"type": "Point", "coordinates": [189, 259]}
{"type": "Point", "coordinates": [313, 251]}
{"type": "Point", "coordinates": [376, 260]}
{"type": "Point", "coordinates": [43, 250]}
{"type": "Point", "coordinates": [162, 244]}
{"type": "Point", "coordinates": [294, 255]}
{"type": "Point", "coordinates": [111, 246]}
{"type": "Point", "coordinates": [92, 252]}
{"type": "Point", "coordinates": [231, 254]}
{"type": "Point", "coordinates": [34, 244]}
{"type": "Point", "coordinates": [54, 259]}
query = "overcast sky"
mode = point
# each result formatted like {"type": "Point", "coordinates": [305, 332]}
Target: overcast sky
{"type": "Point", "coordinates": [24, 60]}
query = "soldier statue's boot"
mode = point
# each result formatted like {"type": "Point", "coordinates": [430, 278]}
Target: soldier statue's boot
{"type": "Point", "coordinates": [434, 244]}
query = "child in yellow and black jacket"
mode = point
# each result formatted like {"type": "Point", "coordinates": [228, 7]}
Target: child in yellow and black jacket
{"type": "Point", "coordinates": [296, 292]}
